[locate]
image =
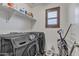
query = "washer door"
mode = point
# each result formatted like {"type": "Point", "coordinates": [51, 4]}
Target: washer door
{"type": "Point", "coordinates": [32, 49]}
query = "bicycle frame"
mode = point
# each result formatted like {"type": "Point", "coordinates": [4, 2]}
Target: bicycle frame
{"type": "Point", "coordinates": [63, 43]}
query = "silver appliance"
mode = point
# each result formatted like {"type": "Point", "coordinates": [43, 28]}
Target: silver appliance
{"type": "Point", "coordinates": [21, 44]}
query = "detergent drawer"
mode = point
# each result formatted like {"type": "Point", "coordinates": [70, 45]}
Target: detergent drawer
{"type": "Point", "coordinates": [20, 41]}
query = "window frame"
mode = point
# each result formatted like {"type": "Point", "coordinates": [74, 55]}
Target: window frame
{"type": "Point", "coordinates": [58, 17]}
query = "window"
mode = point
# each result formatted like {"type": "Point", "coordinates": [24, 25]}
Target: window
{"type": "Point", "coordinates": [53, 18]}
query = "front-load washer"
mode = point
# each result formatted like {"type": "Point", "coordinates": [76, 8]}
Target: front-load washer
{"type": "Point", "coordinates": [25, 44]}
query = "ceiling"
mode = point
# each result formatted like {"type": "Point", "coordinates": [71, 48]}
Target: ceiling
{"type": "Point", "coordinates": [37, 4]}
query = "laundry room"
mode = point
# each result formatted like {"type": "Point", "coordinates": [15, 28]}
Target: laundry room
{"type": "Point", "coordinates": [39, 29]}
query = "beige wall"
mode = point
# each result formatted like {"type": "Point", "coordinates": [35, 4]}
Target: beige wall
{"type": "Point", "coordinates": [16, 23]}
{"type": "Point", "coordinates": [74, 20]}
{"type": "Point", "coordinates": [50, 33]}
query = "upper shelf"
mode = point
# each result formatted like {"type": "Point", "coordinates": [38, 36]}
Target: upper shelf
{"type": "Point", "coordinates": [11, 11]}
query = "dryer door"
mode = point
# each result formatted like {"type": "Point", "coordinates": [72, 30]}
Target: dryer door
{"type": "Point", "coordinates": [32, 49]}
